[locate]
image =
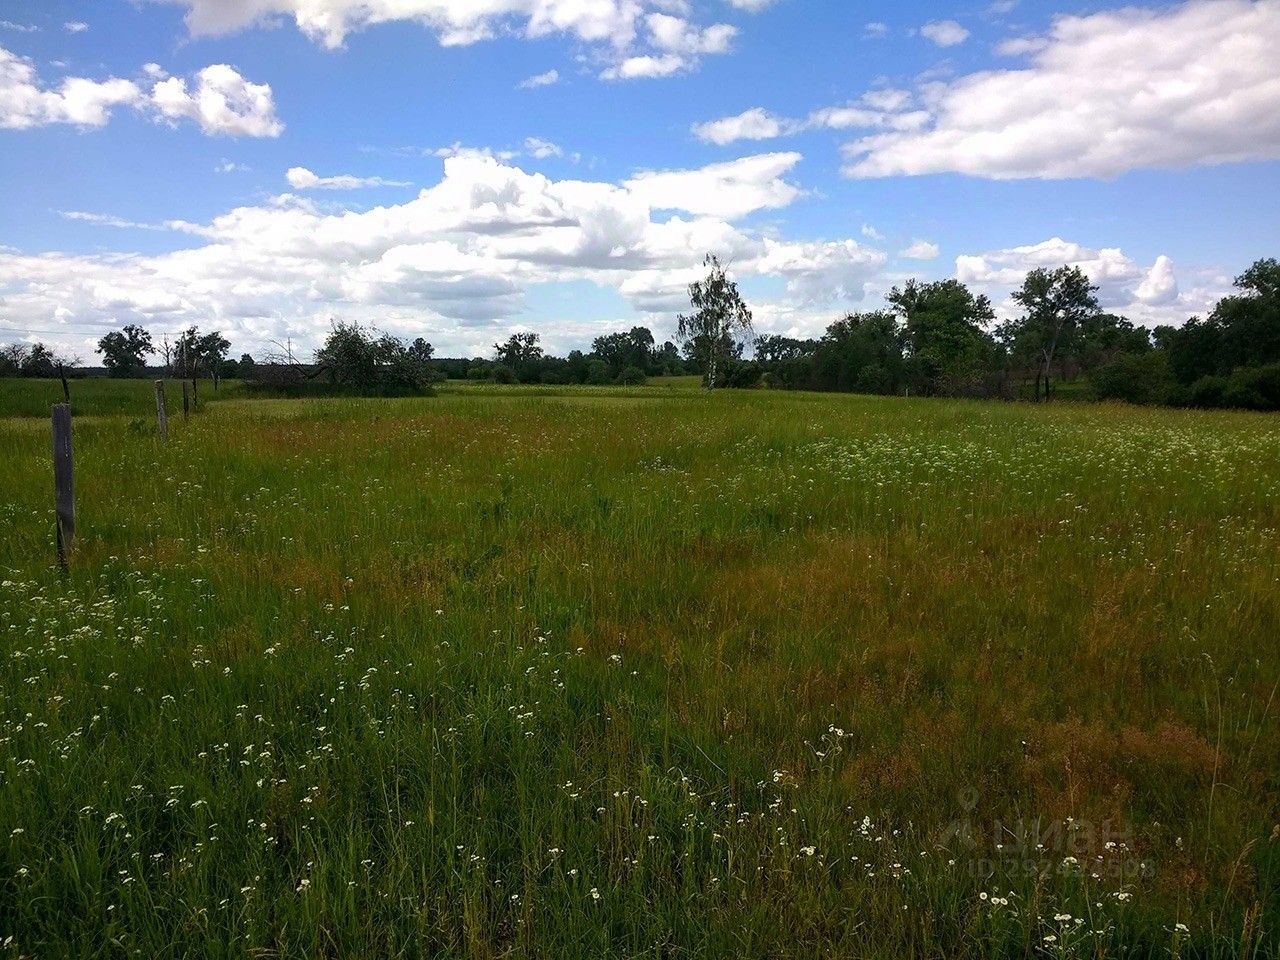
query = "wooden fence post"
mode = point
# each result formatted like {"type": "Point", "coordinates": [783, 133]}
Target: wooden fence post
{"type": "Point", "coordinates": [63, 481]}
{"type": "Point", "coordinates": [195, 393]}
{"type": "Point", "coordinates": [162, 415]}
{"type": "Point", "coordinates": [186, 401]}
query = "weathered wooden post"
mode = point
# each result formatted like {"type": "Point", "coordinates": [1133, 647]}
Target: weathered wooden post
{"type": "Point", "coordinates": [63, 481]}
{"type": "Point", "coordinates": [186, 401]}
{"type": "Point", "coordinates": [162, 415]}
{"type": "Point", "coordinates": [195, 392]}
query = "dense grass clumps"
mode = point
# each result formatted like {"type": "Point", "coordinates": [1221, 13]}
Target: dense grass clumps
{"type": "Point", "coordinates": [101, 396]}
{"type": "Point", "coordinates": [575, 672]}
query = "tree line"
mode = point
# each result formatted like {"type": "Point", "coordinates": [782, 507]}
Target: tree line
{"type": "Point", "coordinates": [626, 358]}
{"type": "Point", "coordinates": [933, 338]}
{"type": "Point", "coordinates": [938, 338]}
{"type": "Point", "coordinates": [125, 352]}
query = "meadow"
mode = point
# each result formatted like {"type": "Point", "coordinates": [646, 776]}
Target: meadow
{"type": "Point", "coordinates": [605, 672]}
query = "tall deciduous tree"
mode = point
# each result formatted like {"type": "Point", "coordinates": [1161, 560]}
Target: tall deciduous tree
{"type": "Point", "coordinates": [621, 350]}
{"type": "Point", "coordinates": [519, 349]}
{"type": "Point", "coordinates": [713, 335]}
{"type": "Point", "coordinates": [943, 326]}
{"type": "Point", "coordinates": [420, 350]}
{"type": "Point", "coordinates": [40, 361]}
{"type": "Point", "coordinates": [124, 352]}
{"type": "Point", "coordinates": [211, 353]}
{"type": "Point", "coordinates": [862, 352]}
{"type": "Point", "coordinates": [1056, 303]}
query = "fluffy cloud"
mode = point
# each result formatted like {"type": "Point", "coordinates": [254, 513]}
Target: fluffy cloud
{"type": "Point", "coordinates": [462, 253]}
{"type": "Point", "coordinates": [1147, 294]}
{"type": "Point", "coordinates": [541, 149]}
{"type": "Point", "coordinates": [679, 36]}
{"type": "Point", "coordinates": [678, 45]}
{"type": "Point", "coordinates": [751, 6]}
{"type": "Point", "coordinates": [645, 67]}
{"type": "Point", "coordinates": [300, 178]}
{"type": "Point", "coordinates": [617, 25]}
{"type": "Point", "coordinates": [920, 250]}
{"type": "Point", "coordinates": [222, 101]}
{"type": "Point", "coordinates": [754, 124]}
{"type": "Point", "coordinates": [729, 190]}
{"type": "Point", "coordinates": [819, 273]}
{"type": "Point", "coordinates": [944, 33]}
{"type": "Point", "coordinates": [455, 21]}
{"type": "Point", "coordinates": [25, 102]}
{"type": "Point", "coordinates": [1159, 286]}
{"type": "Point", "coordinates": [1194, 84]}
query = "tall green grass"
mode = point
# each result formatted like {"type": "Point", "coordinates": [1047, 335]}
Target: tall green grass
{"type": "Point", "coordinates": [644, 673]}
{"type": "Point", "coordinates": [102, 396]}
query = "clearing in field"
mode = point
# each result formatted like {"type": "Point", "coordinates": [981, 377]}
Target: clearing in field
{"type": "Point", "coordinates": [642, 673]}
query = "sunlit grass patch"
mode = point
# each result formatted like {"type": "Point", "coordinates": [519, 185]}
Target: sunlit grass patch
{"type": "Point", "coordinates": [563, 672]}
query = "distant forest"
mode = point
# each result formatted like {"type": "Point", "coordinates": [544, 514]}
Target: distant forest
{"type": "Point", "coordinates": [932, 339]}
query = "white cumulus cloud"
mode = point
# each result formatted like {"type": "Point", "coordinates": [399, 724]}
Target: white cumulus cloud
{"type": "Point", "coordinates": [26, 102]}
{"type": "Point", "coordinates": [222, 101]}
{"type": "Point", "coordinates": [729, 190]}
{"type": "Point", "coordinates": [463, 252]}
{"type": "Point", "coordinates": [1146, 294]}
{"type": "Point", "coordinates": [944, 33]}
{"type": "Point", "coordinates": [754, 124]}
{"type": "Point", "coordinates": [1160, 285]}
{"type": "Point", "coordinates": [1103, 94]}
{"type": "Point", "coordinates": [920, 250]}
{"type": "Point", "coordinates": [620, 29]}
{"type": "Point", "coordinates": [645, 67]}
{"type": "Point", "coordinates": [541, 149]}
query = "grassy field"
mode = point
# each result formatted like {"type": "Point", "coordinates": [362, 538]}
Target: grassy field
{"type": "Point", "coordinates": [101, 396]}
{"type": "Point", "coordinates": [577, 673]}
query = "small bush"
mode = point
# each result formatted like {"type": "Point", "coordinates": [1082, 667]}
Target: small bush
{"type": "Point", "coordinates": [1134, 378]}
{"type": "Point", "coordinates": [500, 373]}
{"type": "Point", "coordinates": [1248, 388]}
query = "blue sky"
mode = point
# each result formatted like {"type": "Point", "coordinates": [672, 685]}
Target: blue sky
{"type": "Point", "coordinates": [826, 149]}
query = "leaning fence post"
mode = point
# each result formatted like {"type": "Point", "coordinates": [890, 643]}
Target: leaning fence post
{"type": "Point", "coordinates": [162, 415]}
{"type": "Point", "coordinates": [63, 481]}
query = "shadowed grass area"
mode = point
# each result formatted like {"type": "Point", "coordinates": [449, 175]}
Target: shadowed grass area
{"type": "Point", "coordinates": [581, 672]}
